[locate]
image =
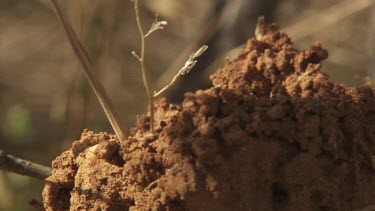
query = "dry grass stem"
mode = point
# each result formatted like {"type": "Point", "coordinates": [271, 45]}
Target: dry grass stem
{"type": "Point", "coordinates": [158, 25]}
{"type": "Point", "coordinates": [141, 60]}
{"type": "Point", "coordinates": [108, 107]}
{"type": "Point", "coordinates": [189, 64]}
{"type": "Point", "coordinates": [213, 26]}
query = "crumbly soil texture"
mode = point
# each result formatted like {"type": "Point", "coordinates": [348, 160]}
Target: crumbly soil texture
{"type": "Point", "coordinates": [272, 133]}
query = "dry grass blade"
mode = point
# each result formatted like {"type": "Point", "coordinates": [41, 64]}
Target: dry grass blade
{"type": "Point", "coordinates": [109, 109]}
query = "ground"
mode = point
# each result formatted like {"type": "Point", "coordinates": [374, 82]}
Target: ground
{"type": "Point", "coordinates": [272, 133]}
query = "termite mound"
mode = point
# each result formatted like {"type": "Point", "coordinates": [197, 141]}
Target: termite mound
{"type": "Point", "coordinates": [272, 133]}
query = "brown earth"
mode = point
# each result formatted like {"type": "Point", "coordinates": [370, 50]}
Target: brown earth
{"type": "Point", "coordinates": [273, 133]}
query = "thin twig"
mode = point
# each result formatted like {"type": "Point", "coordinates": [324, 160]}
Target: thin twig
{"type": "Point", "coordinates": [157, 25]}
{"type": "Point", "coordinates": [142, 63]}
{"type": "Point", "coordinates": [189, 64]}
{"type": "Point", "coordinates": [19, 166]}
{"type": "Point", "coordinates": [156, 94]}
{"type": "Point", "coordinates": [109, 109]}
{"type": "Point", "coordinates": [210, 29]}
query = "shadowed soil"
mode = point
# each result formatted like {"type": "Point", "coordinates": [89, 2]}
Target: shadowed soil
{"type": "Point", "coordinates": [272, 133]}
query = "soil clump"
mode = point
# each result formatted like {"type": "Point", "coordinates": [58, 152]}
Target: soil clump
{"type": "Point", "coordinates": [272, 133]}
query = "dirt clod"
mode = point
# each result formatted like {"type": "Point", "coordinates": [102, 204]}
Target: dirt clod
{"type": "Point", "coordinates": [273, 133]}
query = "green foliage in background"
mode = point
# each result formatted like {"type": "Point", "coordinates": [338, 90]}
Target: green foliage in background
{"type": "Point", "coordinates": [18, 123]}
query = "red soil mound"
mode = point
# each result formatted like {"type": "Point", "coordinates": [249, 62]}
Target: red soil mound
{"type": "Point", "coordinates": [273, 133]}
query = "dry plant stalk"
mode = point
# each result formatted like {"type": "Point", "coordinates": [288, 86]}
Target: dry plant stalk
{"type": "Point", "coordinates": [24, 167]}
{"type": "Point", "coordinates": [109, 109]}
{"type": "Point", "coordinates": [189, 64]}
{"type": "Point", "coordinates": [141, 60]}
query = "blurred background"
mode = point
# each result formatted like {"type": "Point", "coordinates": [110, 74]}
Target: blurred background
{"type": "Point", "coordinates": [46, 101]}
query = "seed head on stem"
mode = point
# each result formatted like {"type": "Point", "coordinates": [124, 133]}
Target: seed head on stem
{"type": "Point", "coordinates": [189, 64]}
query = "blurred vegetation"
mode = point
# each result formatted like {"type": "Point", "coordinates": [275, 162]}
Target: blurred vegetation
{"type": "Point", "coordinates": [46, 102]}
